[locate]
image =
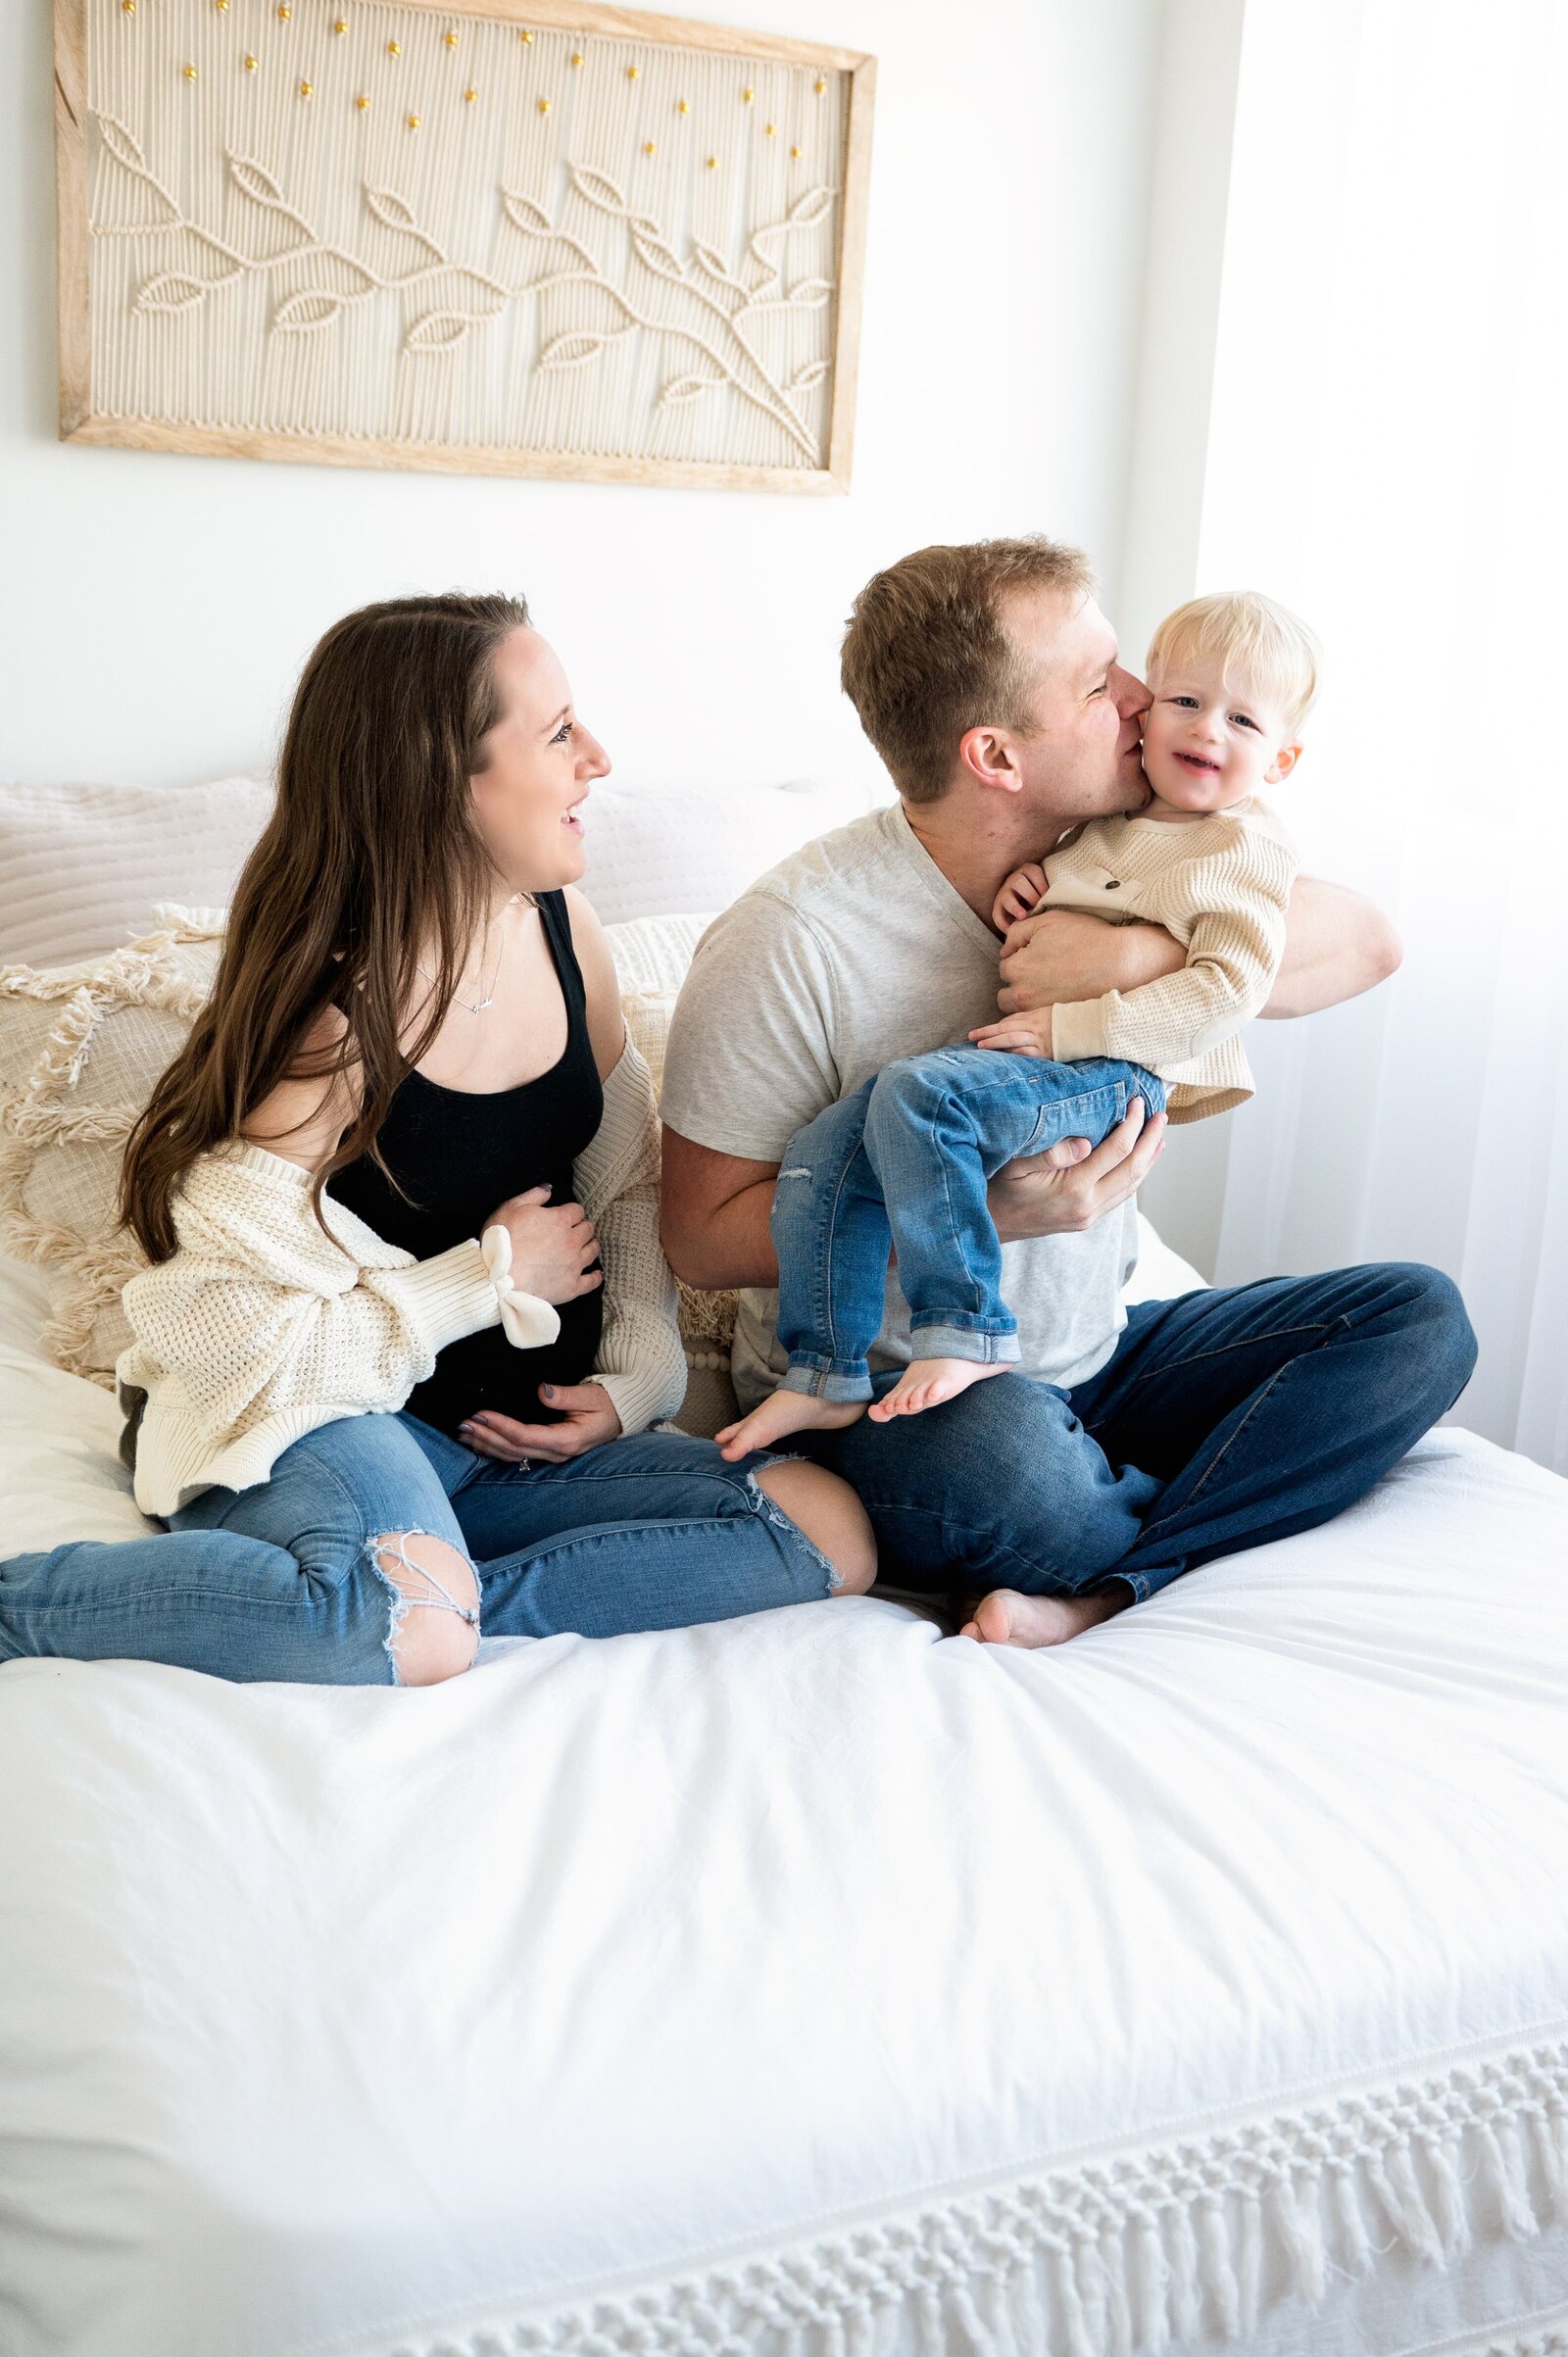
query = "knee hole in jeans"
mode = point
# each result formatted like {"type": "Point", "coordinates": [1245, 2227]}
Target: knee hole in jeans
{"type": "Point", "coordinates": [825, 1507]}
{"type": "Point", "coordinates": [433, 1632]}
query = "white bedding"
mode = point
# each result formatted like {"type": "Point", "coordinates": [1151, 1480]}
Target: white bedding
{"type": "Point", "coordinates": [807, 1974]}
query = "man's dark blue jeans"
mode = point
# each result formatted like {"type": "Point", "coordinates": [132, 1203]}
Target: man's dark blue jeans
{"type": "Point", "coordinates": [1222, 1420]}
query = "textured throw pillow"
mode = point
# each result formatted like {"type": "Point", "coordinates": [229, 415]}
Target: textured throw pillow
{"type": "Point", "coordinates": [80, 1049]}
{"type": "Point", "coordinates": [81, 865]}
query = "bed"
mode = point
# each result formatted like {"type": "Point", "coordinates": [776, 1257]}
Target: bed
{"type": "Point", "coordinates": [810, 1986]}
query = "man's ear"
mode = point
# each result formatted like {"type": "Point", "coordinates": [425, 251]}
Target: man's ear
{"type": "Point", "coordinates": [991, 755]}
{"type": "Point", "coordinates": [1284, 762]}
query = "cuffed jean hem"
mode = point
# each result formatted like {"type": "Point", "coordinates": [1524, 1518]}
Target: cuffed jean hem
{"type": "Point", "coordinates": [949, 1337]}
{"type": "Point", "coordinates": [838, 1380]}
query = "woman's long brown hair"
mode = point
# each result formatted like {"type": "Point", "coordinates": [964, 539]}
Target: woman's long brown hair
{"type": "Point", "coordinates": [371, 851]}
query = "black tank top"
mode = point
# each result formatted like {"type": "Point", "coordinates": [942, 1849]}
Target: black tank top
{"type": "Point", "coordinates": [458, 1155]}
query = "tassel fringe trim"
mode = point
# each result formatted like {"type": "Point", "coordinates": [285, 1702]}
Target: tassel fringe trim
{"type": "Point", "coordinates": [1120, 2258]}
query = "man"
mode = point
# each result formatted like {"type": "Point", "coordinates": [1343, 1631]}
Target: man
{"type": "Point", "coordinates": [1130, 1447]}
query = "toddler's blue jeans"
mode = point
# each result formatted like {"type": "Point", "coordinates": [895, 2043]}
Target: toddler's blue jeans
{"type": "Point", "coordinates": [906, 1161]}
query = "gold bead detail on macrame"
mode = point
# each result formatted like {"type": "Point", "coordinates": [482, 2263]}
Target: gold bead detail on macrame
{"type": "Point", "coordinates": [773, 130]}
{"type": "Point", "coordinates": [451, 38]}
{"type": "Point", "coordinates": [307, 89]}
{"type": "Point", "coordinates": [127, 8]}
{"type": "Point", "coordinates": [469, 95]}
{"type": "Point", "coordinates": [190, 73]}
{"type": "Point", "coordinates": [819, 85]}
{"type": "Point", "coordinates": [363, 103]}
{"type": "Point", "coordinates": [796, 153]}
{"type": "Point", "coordinates": [284, 13]}
{"type": "Point", "coordinates": [544, 105]}
{"type": "Point", "coordinates": [712, 164]}
{"type": "Point", "coordinates": [683, 106]}
{"type": "Point", "coordinates": [649, 149]}
{"type": "Point", "coordinates": [413, 122]}
{"type": "Point", "coordinates": [222, 7]}
{"type": "Point", "coordinates": [747, 97]}
{"type": "Point", "coordinates": [576, 57]}
{"type": "Point", "coordinates": [341, 25]}
{"type": "Point", "coordinates": [633, 73]}
{"type": "Point", "coordinates": [394, 49]}
{"type": "Point", "coordinates": [250, 65]}
{"type": "Point", "coordinates": [525, 38]}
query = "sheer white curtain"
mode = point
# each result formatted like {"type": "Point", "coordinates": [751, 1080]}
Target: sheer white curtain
{"type": "Point", "coordinates": [1386, 453]}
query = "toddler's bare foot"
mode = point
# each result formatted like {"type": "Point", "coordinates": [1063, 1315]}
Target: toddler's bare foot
{"type": "Point", "coordinates": [1004, 1617]}
{"type": "Point", "coordinates": [786, 1412]}
{"type": "Point", "coordinates": [928, 1382]}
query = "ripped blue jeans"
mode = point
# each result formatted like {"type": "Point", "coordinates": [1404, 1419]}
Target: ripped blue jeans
{"type": "Point", "coordinates": [286, 1581]}
{"type": "Point", "coordinates": [903, 1162]}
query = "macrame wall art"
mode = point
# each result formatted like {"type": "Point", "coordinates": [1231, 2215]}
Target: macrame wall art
{"type": "Point", "coordinates": [580, 241]}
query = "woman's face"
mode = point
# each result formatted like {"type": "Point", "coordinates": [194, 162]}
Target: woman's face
{"type": "Point", "coordinates": [537, 765]}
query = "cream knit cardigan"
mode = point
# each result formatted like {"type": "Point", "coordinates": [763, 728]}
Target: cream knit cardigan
{"type": "Point", "coordinates": [1220, 885]}
{"type": "Point", "coordinates": [261, 1327]}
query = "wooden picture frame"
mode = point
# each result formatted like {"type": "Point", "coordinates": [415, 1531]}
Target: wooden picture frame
{"type": "Point", "coordinates": [248, 221]}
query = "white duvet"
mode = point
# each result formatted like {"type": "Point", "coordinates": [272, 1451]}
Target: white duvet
{"type": "Point", "coordinates": [811, 1982]}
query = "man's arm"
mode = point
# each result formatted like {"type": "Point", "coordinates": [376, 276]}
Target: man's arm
{"type": "Point", "coordinates": [713, 1216]}
{"type": "Point", "coordinates": [1336, 944]}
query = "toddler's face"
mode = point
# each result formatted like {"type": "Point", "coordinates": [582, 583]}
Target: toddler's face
{"type": "Point", "coordinates": [1206, 746]}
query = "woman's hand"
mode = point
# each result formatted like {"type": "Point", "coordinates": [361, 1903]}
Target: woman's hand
{"type": "Point", "coordinates": [588, 1420]}
{"type": "Point", "coordinates": [552, 1246]}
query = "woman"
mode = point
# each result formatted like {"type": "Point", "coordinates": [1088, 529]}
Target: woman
{"type": "Point", "coordinates": [391, 1379]}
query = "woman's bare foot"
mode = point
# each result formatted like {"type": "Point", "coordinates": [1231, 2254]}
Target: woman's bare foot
{"type": "Point", "coordinates": [783, 1413]}
{"type": "Point", "coordinates": [1004, 1617]}
{"type": "Point", "coordinates": [928, 1382]}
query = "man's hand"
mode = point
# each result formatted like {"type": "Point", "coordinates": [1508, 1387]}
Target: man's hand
{"type": "Point", "coordinates": [588, 1420]}
{"type": "Point", "coordinates": [1066, 954]}
{"type": "Point", "coordinates": [1065, 1191]}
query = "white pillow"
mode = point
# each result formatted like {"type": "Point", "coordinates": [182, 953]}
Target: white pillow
{"type": "Point", "coordinates": [656, 849]}
{"type": "Point", "coordinates": [81, 865]}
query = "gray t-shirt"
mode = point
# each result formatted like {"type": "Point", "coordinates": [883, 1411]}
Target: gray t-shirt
{"type": "Point", "coordinates": [849, 954]}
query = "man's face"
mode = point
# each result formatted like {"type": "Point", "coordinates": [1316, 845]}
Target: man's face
{"type": "Point", "coordinates": [1081, 759]}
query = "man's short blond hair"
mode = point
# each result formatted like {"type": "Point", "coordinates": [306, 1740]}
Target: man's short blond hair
{"type": "Point", "coordinates": [1259, 645]}
{"type": "Point", "coordinates": [927, 655]}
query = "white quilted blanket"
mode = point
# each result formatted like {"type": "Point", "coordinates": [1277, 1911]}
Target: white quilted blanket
{"type": "Point", "coordinates": [811, 1983]}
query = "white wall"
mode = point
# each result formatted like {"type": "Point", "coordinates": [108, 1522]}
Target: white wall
{"type": "Point", "coordinates": [154, 609]}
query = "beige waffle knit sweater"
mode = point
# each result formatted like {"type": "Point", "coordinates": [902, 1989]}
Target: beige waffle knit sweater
{"type": "Point", "coordinates": [1220, 885]}
{"type": "Point", "coordinates": [262, 1328]}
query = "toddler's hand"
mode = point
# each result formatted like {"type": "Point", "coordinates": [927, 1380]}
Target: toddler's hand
{"type": "Point", "coordinates": [1024, 1034]}
{"type": "Point", "coordinates": [1023, 892]}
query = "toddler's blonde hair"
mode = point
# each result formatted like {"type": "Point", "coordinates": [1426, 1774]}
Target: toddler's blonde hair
{"type": "Point", "coordinates": [1259, 643]}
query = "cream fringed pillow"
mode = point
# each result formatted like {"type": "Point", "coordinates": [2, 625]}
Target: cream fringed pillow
{"type": "Point", "coordinates": [80, 1049]}
{"type": "Point", "coordinates": [652, 957]}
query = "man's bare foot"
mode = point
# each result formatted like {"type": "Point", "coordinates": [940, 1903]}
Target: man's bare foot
{"type": "Point", "coordinates": [783, 1413]}
{"type": "Point", "coordinates": [928, 1382]}
{"type": "Point", "coordinates": [1004, 1617]}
